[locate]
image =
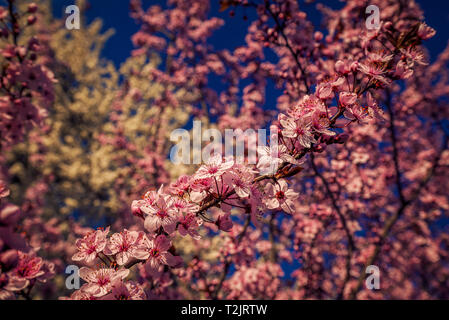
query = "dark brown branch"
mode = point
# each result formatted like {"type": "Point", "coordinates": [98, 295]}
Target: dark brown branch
{"type": "Point", "coordinates": [351, 245]}
{"type": "Point", "coordinates": [287, 44]}
{"type": "Point", "coordinates": [394, 143]}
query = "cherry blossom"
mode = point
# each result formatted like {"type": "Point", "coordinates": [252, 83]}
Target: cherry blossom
{"type": "Point", "coordinates": [280, 196]}
{"type": "Point", "coordinates": [123, 245]}
{"type": "Point", "coordinates": [92, 244]}
{"type": "Point", "coordinates": [215, 167]}
{"type": "Point", "coordinates": [156, 253]}
{"type": "Point", "coordinates": [125, 291]}
{"type": "Point", "coordinates": [100, 282]}
{"type": "Point", "coordinates": [300, 129]}
{"type": "Point", "coordinates": [161, 214]}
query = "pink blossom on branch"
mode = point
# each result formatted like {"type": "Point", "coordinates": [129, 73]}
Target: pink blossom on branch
{"type": "Point", "coordinates": [91, 245]}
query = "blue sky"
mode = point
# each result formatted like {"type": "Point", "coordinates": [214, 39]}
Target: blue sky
{"type": "Point", "coordinates": [115, 14]}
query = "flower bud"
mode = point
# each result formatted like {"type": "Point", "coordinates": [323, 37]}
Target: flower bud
{"type": "Point", "coordinates": [21, 51]}
{"type": "Point", "coordinates": [31, 20]}
{"type": "Point", "coordinates": [341, 67]}
{"type": "Point", "coordinates": [4, 33]}
{"type": "Point", "coordinates": [425, 32]}
{"type": "Point", "coordinates": [135, 209]}
{"type": "Point", "coordinates": [342, 138]}
{"type": "Point", "coordinates": [319, 148]}
{"type": "Point", "coordinates": [32, 8]}
{"type": "Point", "coordinates": [318, 36]}
{"type": "Point", "coordinates": [9, 259]}
{"type": "Point", "coordinates": [387, 25]}
{"type": "Point", "coordinates": [4, 191]}
{"type": "Point", "coordinates": [3, 13]}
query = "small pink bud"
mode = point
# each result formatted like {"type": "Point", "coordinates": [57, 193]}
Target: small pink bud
{"type": "Point", "coordinates": [319, 148]}
{"type": "Point", "coordinates": [31, 20]}
{"type": "Point", "coordinates": [387, 25]}
{"type": "Point", "coordinates": [4, 191]}
{"type": "Point", "coordinates": [9, 259]}
{"type": "Point", "coordinates": [318, 36]}
{"type": "Point", "coordinates": [21, 52]}
{"type": "Point", "coordinates": [425, 32]}
{"type": "Point", "coordinates": [32, 8]}
{"type": "Point", "coordinates": [341, 67]}
{"type": "Point", "coordinates": [135, 209]}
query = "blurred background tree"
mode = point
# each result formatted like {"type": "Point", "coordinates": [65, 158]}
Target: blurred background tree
{"type": "Point", "coordinates": [101, 128]}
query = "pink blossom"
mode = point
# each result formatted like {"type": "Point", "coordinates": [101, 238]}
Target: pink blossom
{"type": "Point", "coordinates": [99, 282]}
{"type": "Point", "coordinates": [299, 129]}
{"type": "Point", "coordinates": [181, 186]}
{"type": "Point", "coordinates": [321, 122]}
{"type": "Point", "coordinates": [31, 267]}
{"type": "Point", "coordinates": [379, 57]}
{"type": "Point", "coordinates": [184, 207]}
{"type": "Point", "coordinates": [240, 178]}
{"type": "Point", "coordinates": [271, 157]}
{"type": "Point", "coordinates": [280, 196]}
{"type": "Point", "coordinates": [128, 290]}
{"type": "Point", "coordinates": [123, 245]}
{"type": "Point", "coordinates": [161, 214]}
{"type": "Point", "coordinates": [135, 208]}
{"type": "Point", "coordinates": [188, 225]}
{"type": "Point", "coordinates": [4, 191]}
{"type": "Point", "coordinates": [155, 252]}
{"type": "Point", "coordinates": [92, 244]}
{"type": "Point", "coordinates": [347, 98]}
{"type": "Point", "coordinates": [413, 55]}
{"type": "Point", "coordinates": [374, 72]}
{"type": "Point", "coordinates": [402, 70]}
{"type": "Point", "coordinates": [324, 90]}
{"type": "Point", "coordinates": [214, 168]}
{"type": "Point", "coordinates": [224, 222]}
{"type": "Point", "coordinates": [425, 32]}
{"type": "Point", "coordinates": [342, 67]}
{"type": "Point", "coordinates": [10, 284]}
{"type": "Point", "coordinates": [81, 294]}
{"type": "Point", "coordinates": [356, 113]}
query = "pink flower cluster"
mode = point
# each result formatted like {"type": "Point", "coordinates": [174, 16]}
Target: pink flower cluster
{"type": "Point", "coordinates": [120, 251]}
{"type": "Point", "coordinates": [20, 267]}
{"type": "Point", "coordinates": [223, 192]}
{"type": "Point", "coordinates": [26, 85]}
